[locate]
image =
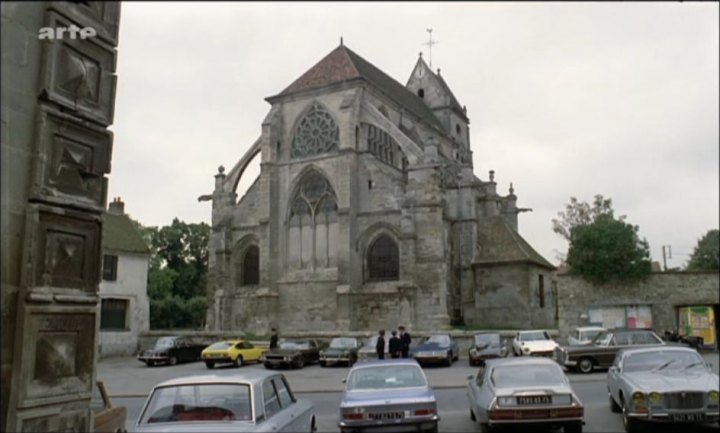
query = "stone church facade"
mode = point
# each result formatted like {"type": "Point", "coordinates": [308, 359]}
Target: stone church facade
{"type": "Point", "coordinates": [367, 214]}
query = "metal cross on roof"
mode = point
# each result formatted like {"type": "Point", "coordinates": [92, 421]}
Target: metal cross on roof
{"type": "Point", "coordinates": [430, 43]}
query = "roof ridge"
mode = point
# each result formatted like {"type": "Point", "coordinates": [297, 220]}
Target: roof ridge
{"type": "Point", "coordinates": [316, 77]}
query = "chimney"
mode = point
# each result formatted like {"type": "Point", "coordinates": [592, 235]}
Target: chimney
{"type": "Point", "coordinates": [117, 207]}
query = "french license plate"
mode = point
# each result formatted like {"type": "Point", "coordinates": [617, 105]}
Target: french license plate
{"type": "Point", "coordinates": [687, 417]}
{"type": "Point", "coordinates": [534, 399]}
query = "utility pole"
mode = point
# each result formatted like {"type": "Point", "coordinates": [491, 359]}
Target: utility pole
{"type": "Point", "coordinates": [669, 255]}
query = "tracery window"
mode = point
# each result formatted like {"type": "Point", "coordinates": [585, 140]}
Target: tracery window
{"type": "Point", "coordinates": [383, 259]}
{"type": "Point", "coordinates": [313, 224]}
{"type": "Point", "coordinates": [251, 266]}
{"type": "Point", "coordinates": [316, 133]}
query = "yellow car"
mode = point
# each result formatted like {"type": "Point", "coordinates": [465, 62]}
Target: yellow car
{"type": "Point", "coordinates": [236, 352]}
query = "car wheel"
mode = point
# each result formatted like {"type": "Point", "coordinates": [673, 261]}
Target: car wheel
{"type": "Point", "coordinates": [209, 364]}
{"type": "Point", "coordinates": [239, 361]}
{"type": "Point", "coordinates": [614, 407]}
{"type": "Point", "coordinates": [485, 428]}
{"type": "Point", "coordinates": [323, 364]}
{"type": "Point", "coordinates": [300, 363]}
{"type": "Point", "coordinates": [472, 415]}
{"type": "Point", "coordinates": [630, 424]}
{"type": "Point", "coordinates": [585, 365]}
{"type": "Point", "coordinates": [172, 360]}
{"type": "Point", "coordinates": [150, 363]}
{"type": "Point", "coordinates": [575, 427]}
{"type": "Point", "coordinates": [448, 360]}
{"type": "Point", "coordinates": [268, 366]}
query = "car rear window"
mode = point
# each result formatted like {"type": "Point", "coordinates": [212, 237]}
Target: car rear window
{"type": "Point", "coordinates": [199, 402]}
{"type": "Point", "coordinates": [220, 346]}
{"type": "Point", "coordinates": [527, 375]}
{"type": "Point", "coordinates": [386, 377]}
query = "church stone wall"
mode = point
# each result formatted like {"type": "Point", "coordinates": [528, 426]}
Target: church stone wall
{"type": "Point", "coordinates": [501, 297]}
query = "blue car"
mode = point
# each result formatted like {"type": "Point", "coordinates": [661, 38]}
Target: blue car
{"type": "Point", "coordinates": [388, 395]}
{"type": "Point", "coordinates": [437, 349]}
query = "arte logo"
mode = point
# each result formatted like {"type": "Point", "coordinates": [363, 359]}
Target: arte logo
{"type": "Point", "coordinates": [72, 32]}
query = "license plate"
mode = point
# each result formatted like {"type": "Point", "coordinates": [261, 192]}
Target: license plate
{"type": "Point", "coordinates": [687, 417]}
{"type": "Point", "coordinates": [534, 399]}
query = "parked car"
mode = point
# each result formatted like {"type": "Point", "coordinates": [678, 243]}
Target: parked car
{"type": "Point", "coordinates": [108, 418]}
{"type": "Point", "coordinates": [533, 343]}
{"type": "Point", "coordinates": [486, 345]}
{"type": "Point", "coordinates": [512, 391]}
{"type": "Point", "coordinates": [662, 384]}
{"type": "Point", "coordinates": [388, 395]}
{"type": "Point", "coordinates": [252, 401]}
{"type": "Point", "coordinates": [439, 348]}
{"type": "Point", "coordinates": [600, 353]}
{"type": "Point", "coordinates": [341, 350]}
{"type": "Point", "coordinates": [368, 351]}
{"type": "Point", "coordinates": [292, 353]}
{"type": "Point", "coordinates": [234, 352]}
{"type": "Point", "coordinates": [584, 335]}
{"type": "Point", "coordinates": [171, 350]}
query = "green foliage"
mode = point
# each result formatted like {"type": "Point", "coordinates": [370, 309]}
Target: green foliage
{"type": "Point", "coordinates": [608, 250]}
{"type": "Point", "coordinates": [178, 274]}
{"type": "Point", "coordinates": [706, 256]}
{"type": "Point", "coordinates": [581, 214]}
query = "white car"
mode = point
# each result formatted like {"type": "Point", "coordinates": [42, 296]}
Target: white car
{"type": "Point", "coordinates": [533, 343]}
{"type": "Point", "coordinates": [584, 335]}
{"type": "Point", "coordinates": [253, 401]}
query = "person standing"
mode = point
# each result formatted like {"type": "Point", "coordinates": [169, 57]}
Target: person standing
{"type": "Point", "coordinates": [380, 345]}
{"type": "Point", "coordinates": [395, 345]}
{"type": "Point", "coordinates": [405, 340]}
{"type": "Point", "coordinates": [273, 339]}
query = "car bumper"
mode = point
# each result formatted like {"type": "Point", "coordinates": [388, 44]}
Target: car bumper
{"type": "Point", "coordinates": [569, 363]}
{"type": "Point", "coordinates": [217, 359]}
{"type": "Point", "coordinates": [335, 360]}
{"type": "Point", "coordinates": [688, 416]}
{"type": "Point", "coordinates": [403, 425]}
{"type": "Point", "coordinates": [277, 362]}
{"type": "Point", "coordinates": [431, 359]}
{"type": "Point", "coordinates": [146, 358]}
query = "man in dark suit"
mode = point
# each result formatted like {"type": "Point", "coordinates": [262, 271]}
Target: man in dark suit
{"type": "Point", "coordinates": [405, 340]}
{"type": "Point", "coordinates": [273, 339]}
{"type": "Point", "coordinates": [395, 345]}
{"type": "Point", "coordinates": [380, 345]}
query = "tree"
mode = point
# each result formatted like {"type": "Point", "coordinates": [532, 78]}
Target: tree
{"type": "Point", "coordinates": [581, 213]}
{"type": "Point", "coordinates": [706, 256]}
{"type": "Point", "coordinates": [608, 249]}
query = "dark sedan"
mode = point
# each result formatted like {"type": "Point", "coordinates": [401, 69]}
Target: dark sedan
{"type": "Point", "coordinates": [600, 353]}
{"type": "Point", "coordinates": [341, 350]}
{"type": "Point", "coordinates": [292, 353]}
{"type": "Point", "coordinates": [439, 348]}
{"type": "Point", "coordinates": [171, 350]}
{"type": "Point", "coordinates": [486, 345]}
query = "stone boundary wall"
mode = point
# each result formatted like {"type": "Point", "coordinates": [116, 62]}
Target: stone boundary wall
{"type": "Point", "coordinates": [664, 291]}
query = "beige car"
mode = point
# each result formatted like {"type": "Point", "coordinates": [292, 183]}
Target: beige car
{"type": "Point", "coordinates": [108, 418]}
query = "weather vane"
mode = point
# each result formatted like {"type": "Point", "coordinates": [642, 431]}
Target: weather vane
{"type": "Point", "coordinates": [430, 43]}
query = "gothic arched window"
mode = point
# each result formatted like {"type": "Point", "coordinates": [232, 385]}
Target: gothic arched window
{"type": "Point", "coordinates": [383, 259]}
{"type": "Point", "coordinates": [251, 266]}
{"type": "Point", "coordinates": [316, 133]}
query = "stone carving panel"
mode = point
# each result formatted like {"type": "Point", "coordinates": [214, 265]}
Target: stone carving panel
{"type": "Point", "coordinates": [58, 364]}
{"type": "Point", "coordinates": [99, 15]}
{"type": "Point", "coordinates": [78, 73]}
{"type": "Point", "coordinates": [66, 249]}
{"type": "Point", "coordinates": [75, 155]}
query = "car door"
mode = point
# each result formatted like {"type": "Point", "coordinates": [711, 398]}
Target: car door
{"type": "Point", "coordinates": [480, 398]}
{"type": "Point", "coordinates": [181, 349]}
{"type": "Point", "coordinates": [271, 406]}
{"type": "Point", "coordinates": [312, 354]}
{"type": "Point", "coordinates": [613, 378]}
{"type": "Point", "coordinates": [296, 420]}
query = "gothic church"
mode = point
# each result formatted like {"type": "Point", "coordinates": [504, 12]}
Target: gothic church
{"type": "Point", "coordinates": [367, 214]}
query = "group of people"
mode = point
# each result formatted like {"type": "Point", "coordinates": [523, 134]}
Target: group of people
{"type": "Point", "coordinates": [398, 346]}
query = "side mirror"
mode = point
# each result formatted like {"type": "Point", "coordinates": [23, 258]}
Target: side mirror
{"type": "Point", "coordinates": [344, 380]}
{"type": "Point", "coordinates": [470, 377]}
{"type": "Point", "coordinates": [710, 365]}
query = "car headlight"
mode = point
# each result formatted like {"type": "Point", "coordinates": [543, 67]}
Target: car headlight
{"type": "Point", "coordinates": [655, 397]}
{"type": "Point", "coordinates": [506, 401]}
{"type": "Point", "coordinates": [473, 351]}
{"type": "Point", "coordinates": [713, 396]}
{"type": "Point", "coordinates": [322, 353]}
{"type": "Point", "coordinates": [526, 349]}
{"type": "Point", "coordinates": [638, 399]}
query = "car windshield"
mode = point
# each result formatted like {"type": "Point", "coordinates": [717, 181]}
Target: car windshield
{"type": "Point", "coordinates": [490, 339]}
{"type": "Point", "coordinates": [533, 336]}
{"type": "Point", "coordinates": [164, 342]}
{"type": "Point", "coordinates": [294, 345]}
{"type": "Point", "coordinates": [662, 360]}
{"type": "Point", "coordinates": [442, 340]}
{"type": "Point", "coordinates": [510, 376]}
{"type": "Point", "coordinates": [602, 339]}
{"type": "Point", "coordinates": [223, 345]}
{"type": "Point", "coordinates": [588, 335]}
{"type": "Point", "coordinates": [199, 402]}
{"type": "Point", "coordinates": [386, 377]}
{"type": "Point", "coordinates": [343, 343]}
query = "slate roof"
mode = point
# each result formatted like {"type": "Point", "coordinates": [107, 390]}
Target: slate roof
{"type": "Point", "coordinates": [453, 100]}
{"type": "Point", "coordinates": [343, 64]}
{"type": "Point", "coordinates": [500, 243]}
{"type": "Point", "coordinates": [119, 234]}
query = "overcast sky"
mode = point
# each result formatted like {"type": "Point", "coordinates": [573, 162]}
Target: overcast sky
{"type": "Point", "coordinates": [619, 99]}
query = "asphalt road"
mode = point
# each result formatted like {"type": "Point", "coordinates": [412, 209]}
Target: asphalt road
{"type": "Point", "coordinates": [323, 387]}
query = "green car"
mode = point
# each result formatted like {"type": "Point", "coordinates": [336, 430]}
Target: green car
{"type": "Point", "coordinates": [341, 350]}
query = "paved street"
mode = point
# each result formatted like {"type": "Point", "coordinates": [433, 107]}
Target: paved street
{"type": "Point", "coordinates": [129, 382]}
